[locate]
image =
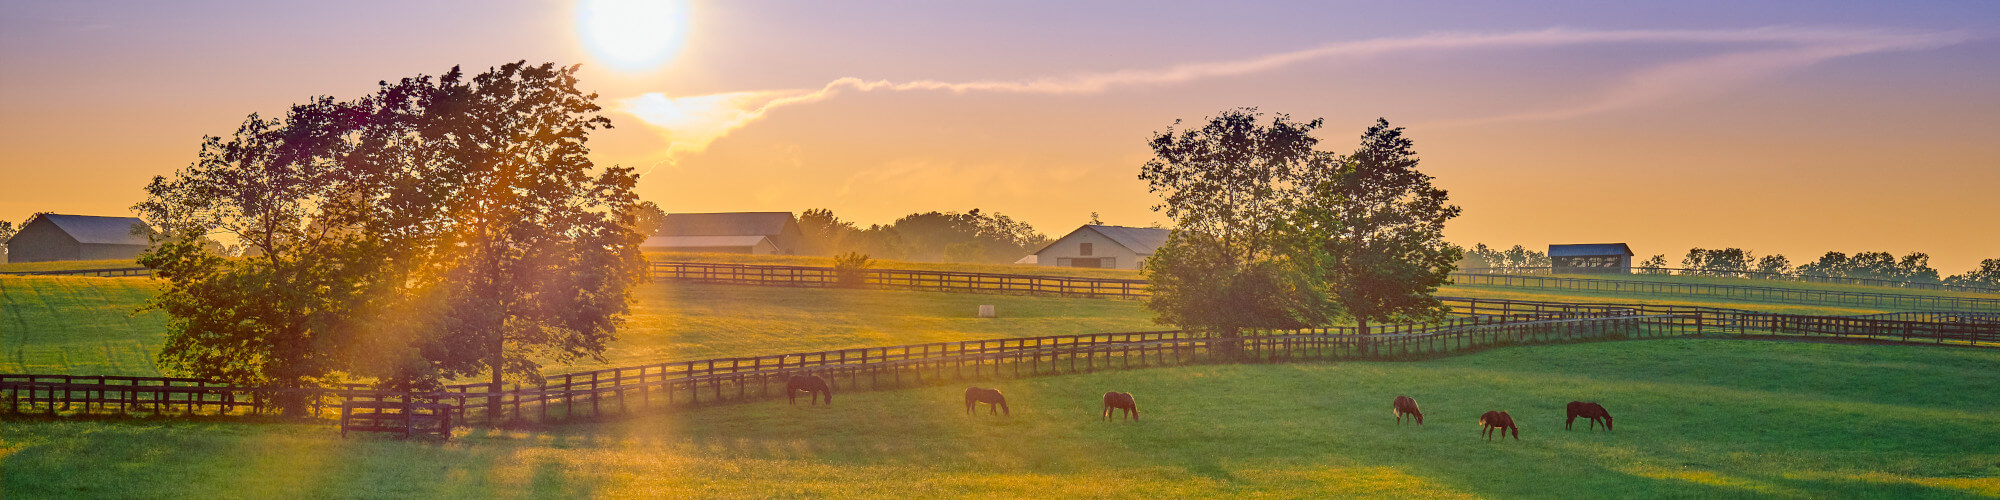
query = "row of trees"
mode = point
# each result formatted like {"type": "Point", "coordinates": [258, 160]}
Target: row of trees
{"type": "Point", "coordinates": [1514, 259]}
{"type": "Point", "coordinates": [443, 227]}
{"type": "Point", "coordinates": [973, 236]}
{"type": "Point", "coordinates": [1736, 262]}
{"type": "Point", "coordinates": [1272, 233]}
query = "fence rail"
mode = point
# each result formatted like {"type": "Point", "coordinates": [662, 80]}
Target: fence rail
{"type": "Point", "coordinates": [1476, 324]}
{"type": "Point", "coordinates": [898, 279]}
{"type": "Point", "coordinates": [1738, 273]}
{"type": "Point", "coordinates": [1738, 292]}
{"type": "Point", "coordinates": [120, 271]}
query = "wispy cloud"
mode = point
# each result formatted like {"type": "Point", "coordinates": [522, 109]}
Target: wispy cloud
{"type": "Point", "coordinates": [692, 123]}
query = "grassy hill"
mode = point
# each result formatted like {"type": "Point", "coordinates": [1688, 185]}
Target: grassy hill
{"type": "Point", "coordinates": [1695, 418]}
{"type": "Point", "coordinates": [66, 265]}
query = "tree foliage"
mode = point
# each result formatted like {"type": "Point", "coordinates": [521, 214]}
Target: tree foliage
{"type": "Point", "coordinates": [1275, 234]}
{"type": "Point", "coordinates": [1379, 224]}
{"type": "Point", "coordinates": [1912, 267]}
{"type": "Point", "coordinates": [1986, 275]}
{"type": "Point", "coordinates": [972, 236]}
{"type": "Point", "coordinates": [440, 228]}
{"type": "Point", "coordinates": [1232, 186]}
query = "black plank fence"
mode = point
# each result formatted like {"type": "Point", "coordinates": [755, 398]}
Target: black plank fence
{"type": "Point", "coordinates": [1738, 292]}
{"type": "Point", "coordinates": [1738, 273]}
{"type": "Point", "coordinates": [826, 277]}
{"type": "Point", "coordinates": [1476, 324]}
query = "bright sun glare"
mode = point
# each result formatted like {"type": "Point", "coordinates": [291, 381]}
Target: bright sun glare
{"type": "Point", "coordinates": [632, 35]}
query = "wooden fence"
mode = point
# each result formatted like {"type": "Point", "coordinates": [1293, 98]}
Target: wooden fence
{"type": "Point", "coordinates": [802, 276]}
{"type": "Point", "coordinates": [1476, 324]}
{"type": "Point", "coordinates": [120, 271]}
{"type": "Point", "coordinates": [1738, 273]}
{"type": "Point", "coordinates": [1738, 292]}
{"type": "Point", "coordinates": [898, 279]}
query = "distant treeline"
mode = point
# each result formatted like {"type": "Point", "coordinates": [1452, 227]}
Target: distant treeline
{"type": "Point", "coordinates": [1913, 267]}
{"type": "Point", "coordinates": [973, 236]}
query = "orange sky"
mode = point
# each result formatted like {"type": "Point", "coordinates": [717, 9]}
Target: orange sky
{"type": "Point", "coordinates": [1791, 128]}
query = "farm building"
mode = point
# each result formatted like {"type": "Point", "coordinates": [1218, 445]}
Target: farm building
{"type": "Point", "coordinates": [1103, 246]}
{"type": "Point", "coordinates": [1612, 258]}
{"type": "Point", "coordinates": [761, 233]}
{"type": "Point", "coordinates": [49, 237]}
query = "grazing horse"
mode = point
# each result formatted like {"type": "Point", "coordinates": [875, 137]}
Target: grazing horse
{"type": "Point", "coordinates": [1406, 406]}
{"type": "Point", "coordinates": [1591, 411]}
{"type": "Point", "coordinates": [1120, 401]}
{"type": "Point", "coordinates": [812, 384]}
{"type": "Point", "coordinates": [1497, 420]}
{"type": "Point", "coordinates": [992, 398]}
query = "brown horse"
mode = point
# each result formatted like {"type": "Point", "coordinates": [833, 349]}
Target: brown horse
{"type": "Point", "coordinates": [1591, 411]}
{"type": "Point", "coordinates": [1406, 406]}
{"type": "Point", "coordinates": [812, 384]}
{"type": "Point", "coordinates": [992, 398]}
{"type": "Point", "coordinates": [1497, 420]}
{"type": "Point", "coordinates": [1120, 401]}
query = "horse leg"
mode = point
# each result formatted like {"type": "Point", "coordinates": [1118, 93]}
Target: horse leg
{"type": "Point", "coordinates": [793, 395]}
{"type": "Point", "coordinates": [1571, 421]}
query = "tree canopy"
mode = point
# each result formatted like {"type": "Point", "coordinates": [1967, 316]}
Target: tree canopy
{"type": "Point", "coordinates": [440, 228]}
{"type": "Point", "coordinates": [1272, 233]}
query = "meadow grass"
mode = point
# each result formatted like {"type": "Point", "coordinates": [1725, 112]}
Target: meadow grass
{"type": "Point", "coordinates": [93, 326]}
{"type": "Point", "coordinates": [1708, 418]}
{"type": "Point", "coordinates": [1770, 283]}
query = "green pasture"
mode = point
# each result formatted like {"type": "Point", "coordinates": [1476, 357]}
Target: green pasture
{"type": "Point", "coordinates": [90, 326]}
{"type": "Point", "coordinates": [1771, 283]}
{"type": "Point", "coordinates": [1695, 418]}
{"type": "Point", "coordinates": [93, 326]}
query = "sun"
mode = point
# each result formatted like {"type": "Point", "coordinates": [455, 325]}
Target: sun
{"type": "Point", "coordinates": [632, 35]}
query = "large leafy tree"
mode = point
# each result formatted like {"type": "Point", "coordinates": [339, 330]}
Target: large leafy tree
{"type": "Point", "coordinates": [1230, 186]}
{"type": "Point", "coordinates": [440, 228]}
{"type": "Point", "coordinates": [1379, 225]}
{"type": "Point", "coordinates": [273, 317]}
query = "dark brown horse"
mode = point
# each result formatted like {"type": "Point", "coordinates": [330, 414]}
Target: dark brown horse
{"type": "Point", "coordinates": [1120, 401]}
{"type": "Point", "coordinates": [1406, 406]}
{"type": "Point", "coordinates": [1497, 420]}
{"type": "Point", "coordinates": [992, 397]}
{"type": "Point", "coordinates": [1591, 411]}
{"type": "Point", "coordinates": [812, 384]}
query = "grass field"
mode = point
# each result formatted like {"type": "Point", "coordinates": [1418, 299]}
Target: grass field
{"type": "Point", "coordinates": [1700, 418]}
{"type": "Point", "coordinates": [89, 326]}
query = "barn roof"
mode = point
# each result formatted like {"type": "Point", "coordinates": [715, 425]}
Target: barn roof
{"type": "Point", "coordinates": [1589, 249]}
{"type": "Point", "coordinates": [1140, 240]}
{"type": "Point", "coordinates": [94, 230]}
{"type": "Point", "coordinates": [725, 224]}
{"type": "Point", "coordinates": [702, 241]}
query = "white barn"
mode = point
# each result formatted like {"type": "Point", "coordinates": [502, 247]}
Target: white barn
{"type": "Point", "coordinates": [760, 233]}
{"type": "Point", "coordinates": [1117, 247]}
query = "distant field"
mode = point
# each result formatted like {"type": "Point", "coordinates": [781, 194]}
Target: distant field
{"type": "Point", "coordinates": [66, 265]}
{"type": "Point", "coordinates": [87, 325]}
{"type": "Point", "coordinates": [1695, 418]}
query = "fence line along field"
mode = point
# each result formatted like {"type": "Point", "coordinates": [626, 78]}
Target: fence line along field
{"type": "Point", "coordinates": [88, 326]}
{"type": "Point", "coordinates": [1696, 418]}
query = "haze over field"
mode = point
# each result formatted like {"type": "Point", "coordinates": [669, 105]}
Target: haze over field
{"type": "Point", "coordinates": [1780, 127]}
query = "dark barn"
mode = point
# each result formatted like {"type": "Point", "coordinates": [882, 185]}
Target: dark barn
{"type": "Point", "coordinates": [738, 232]}
{"type": "Point", "coordinates": [50, 237]}
{"type": "Point", "coordinates": [1612, 258]}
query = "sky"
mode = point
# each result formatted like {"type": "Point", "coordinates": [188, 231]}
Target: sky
{"type": "Point", "coordinates": [1779, 127]}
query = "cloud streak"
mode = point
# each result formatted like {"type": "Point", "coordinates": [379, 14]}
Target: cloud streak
{"type": "Point", "coordinates": [692, 123]}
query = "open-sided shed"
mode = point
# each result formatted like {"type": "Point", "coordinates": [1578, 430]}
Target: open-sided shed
{"type": "Point", "coordinates": [1615, 258]}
